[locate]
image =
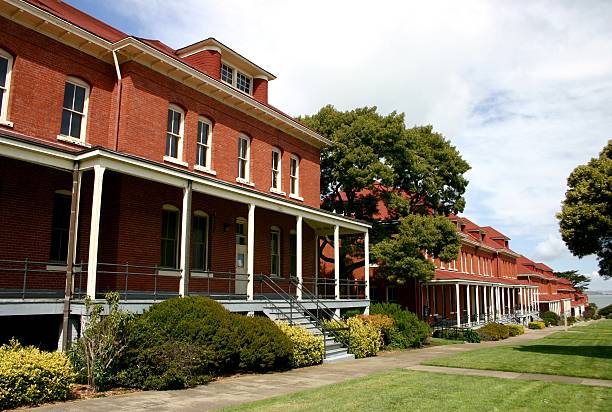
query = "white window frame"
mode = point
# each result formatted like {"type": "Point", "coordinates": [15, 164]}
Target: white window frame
{"type": "Point", "coordinates": [234, 82]}
{"type": "Point", "coordinates": [207, 167]}
{"type": "Point", "coordinates": [81, 140]}
{"type": "Point", "coordinates": [247, 159]}
{"type": "Point", "coordinates": [295, 194]}
{"type": "Point", "coordinates": [7, 89]}
{"type": "Point", "coordinates": [179, 147]}
{"type": "Point", "coordinates": [279, 172]}
{"type": "Point", "coordinates": [275, 230]}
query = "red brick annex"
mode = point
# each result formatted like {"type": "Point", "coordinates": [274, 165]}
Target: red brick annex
{"type": "Point", "coordinates": [129, 166]}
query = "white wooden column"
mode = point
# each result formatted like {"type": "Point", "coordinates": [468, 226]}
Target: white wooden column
{"type": "Point", "coordinates": [185, 241]}
{"type": "Point", "coordinates": [337, 261]}
{"type": "Point", "coordinates": [94, 232]}
{"type": "Point", "coordinates": [298, 257]}
{"type": "Point", "coordinates": [485, 302]}
{"type": "Point", "coordinates": [477, 304]}
{"type": "Point", "coordinates": [497, 303]}
{"type": "Point", "coordinates": [468, 304]}
{"type": "Point", "coordinates": [457, 304]}
{"type": "Point", "coordinates": [522, 300]}
{"type": "Point", "coordinates": [503, 300]}
{"type": "Point", "coordinates": [366, 268]}
{"type": "Point", "coordinates": [251, 251]}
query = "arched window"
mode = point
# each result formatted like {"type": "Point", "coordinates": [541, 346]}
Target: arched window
{"type": "Point", "coordinates": [204, 145]}
{"type": "Point", "coordinates": [60, 226]}
{"type": "Point", "coordinates": [169, 237]}
{"type": "Point", "coordinates": [74, 112]}
{"type": "Point", "coordinates": [174, 133]}
{"type": "Point", "coordinates": [276, 170]}
{"type": "Point", "coordinates": [200, 241]}
{"type": "Point", "coordinates": [6, 67]}
{"type": "Point", "coordinates": [275, 242]}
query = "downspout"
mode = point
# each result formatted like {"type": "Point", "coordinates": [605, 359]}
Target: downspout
{"type": "Point", "coordinates": [119, 91]}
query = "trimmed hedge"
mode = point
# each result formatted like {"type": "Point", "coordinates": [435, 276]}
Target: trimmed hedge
{"type": "Point", "coordinates": [307, 350]}
{"type": "Point", "coordinates": [30, 377]}
{"type": "Point", "coordinates": [411, 331]}
{"type": "Point", "coordinates": [365, 338]}
{"type": "Point", "coordinates": [536, 325]}
{"type": "Point", "coordinates": [516, 330]}
{"type": "Point", "coordinates": [465, 335]}
{"type": "Point", "coordinates": [493, 332]}
{"type": "Point", "coordinates": [550, 318]}
{"type": "Point", "coordinates": [183, 342]}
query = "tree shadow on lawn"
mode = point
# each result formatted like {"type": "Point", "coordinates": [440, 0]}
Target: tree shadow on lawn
{"type": "Point", "coordinates": [604, 352]}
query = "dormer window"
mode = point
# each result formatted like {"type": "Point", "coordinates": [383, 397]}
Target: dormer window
{"type": "Point", "coordinates": [235, 78]}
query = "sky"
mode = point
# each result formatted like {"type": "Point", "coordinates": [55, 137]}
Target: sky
{"type": "Point", "coordinates": [523, 89]}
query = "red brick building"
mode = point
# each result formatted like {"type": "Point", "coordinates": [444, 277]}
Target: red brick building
{"type": "Point", "coordinates": [181, 176]}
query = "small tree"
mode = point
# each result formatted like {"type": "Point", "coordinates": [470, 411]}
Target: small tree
{"type": "Point", "coordinates": [580, 282]}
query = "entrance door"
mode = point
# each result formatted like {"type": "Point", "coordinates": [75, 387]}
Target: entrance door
{"type": "Point", "coordinates": [241, 256]}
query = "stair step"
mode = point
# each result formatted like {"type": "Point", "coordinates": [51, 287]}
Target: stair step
{"type": "Point", "coordinates": [339, 358]}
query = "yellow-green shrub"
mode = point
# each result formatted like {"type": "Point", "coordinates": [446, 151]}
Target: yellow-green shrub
{"type": "Point", "coordinates": [29, 376]}
{"type": "Point", "coordinates": [536, 325]}
{"type": "Point", "coordinates": [516, 330]}
{"type": "Point", "coordinates": [365, 338]}
{"type": "Point", "coordinates": [385, 324]}
{"type": "Point", "coordinates": [308, 349]}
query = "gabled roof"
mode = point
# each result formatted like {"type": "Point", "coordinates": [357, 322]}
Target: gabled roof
{"type": "Point", "coordinates": [494, 233]}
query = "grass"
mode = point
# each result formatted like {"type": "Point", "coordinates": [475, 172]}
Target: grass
{"type": "Point", "coordinates": [443, 342]}
{"type": "Point", "coordinates": [404, 390]}
{"type": "Point", "coordinates": [582, 351]}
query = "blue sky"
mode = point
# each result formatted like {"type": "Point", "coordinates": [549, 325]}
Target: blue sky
{"type": "Point", "coordinates": [523, 89]}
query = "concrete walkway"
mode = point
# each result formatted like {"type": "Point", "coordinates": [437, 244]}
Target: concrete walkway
{"type": "Point", "coordinates": [248, 388]}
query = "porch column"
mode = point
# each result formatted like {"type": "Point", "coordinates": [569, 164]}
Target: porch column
{"type": "Point", "coordinates": [366, 268]}
{"type": "Point", "coordinates": [503, 301]}
{"type": "Point", "coordinates": [477, 304]}
{"type": "Point", "coordinates": [497, 303]}
{"type": "Point", "coordinates": [468, 304]}
{"type": "Point", "coordinates": [94, 232]}
{"type": "Point", "coordinates": [337, 262]}
{"type": "Point", "coordinates": [457, 304]}
{"type": "Point", "coordinates": [251, 251]}
{"type": "Point", "coordinates": [521, 290]}
{"type": "Point", "coordinates": [509, 301]}
{"type": "Point", "coordinates": [485, 302]}
{"type": "Point", "coordinates": [298, 257]}
{"type": "Point", "coordinates": [185, 240]}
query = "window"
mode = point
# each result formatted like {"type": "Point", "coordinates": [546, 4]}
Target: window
{"type": "Point", "coordinates": [60, 226]}
{"type": "Point", "coordinates": [241, 231]}
{"type": "Point", "coordinates": [275, 251]}
{"type": "Point", "coordinates": [292, 253]}
{"type": "Point", "coordinates": [169, 237]}
{"type": "Point", "coordinates": [200, 241]}
{"type": "Point", "coordinates": [236, 79]}
{"type": "Point", "coordinates": [74, 113]}
{"type": "Point", "coordinates": [6, 65]}
{"type": "Point", "coordinates": [243, 159]}
{"type": "Point", "coordinates": [276, 170]}
{"type": "Point", "coordinates": [203, 151]}
{"type": "Point", "coordinates": [174, 133]}
{"type": "Point", "coordinates": [294, 177]}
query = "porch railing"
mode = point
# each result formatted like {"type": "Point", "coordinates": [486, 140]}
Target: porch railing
{"type": "Point", "coordinates": [28, 279]}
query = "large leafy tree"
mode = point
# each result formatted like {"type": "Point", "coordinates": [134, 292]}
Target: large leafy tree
{"type": "Point", "coordinates": [580, 282]}
{"type": "Point", "coordinates": [586, 214]}
{"type": "Point", "coordinates": [415, 174]}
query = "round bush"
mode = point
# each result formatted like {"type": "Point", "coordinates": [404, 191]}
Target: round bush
{"type": "Point", "coordinates": [550, 318]}
{"type": "Point", "coordinates": [516, 330]}
{"type": "Point", "coordinates": [307, 350]}
{"type": "Point", "coordinates": [385, 324]}
{"type": "Point", "coordinates": [365, 339]}
{"type": "Point", "coordinates": [411, 331]}
{"type": "Point", "coordinates": [536, 325]}
{"type": "Point", "coordinates": [263, 346]}
{"type": "Point", "coordinates": [493, 332]}
{"type": "Point", "coordinates": [29, 376]}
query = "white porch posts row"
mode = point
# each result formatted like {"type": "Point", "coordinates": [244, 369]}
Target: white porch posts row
{"type": "Point", "coordinates": [96, 206]}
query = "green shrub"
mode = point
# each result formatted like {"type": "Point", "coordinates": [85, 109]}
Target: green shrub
{"type": "Point", "coordinates": [29, 376]}
{"type": "Point", "coordinates": [493, 332]}
{"type": "Point", "coordinates": [550, 318]}
{"type": "Point", "coordinates": [385, 324]}
{"type": "Point", "coordinates": [571, 320]}
{"type": "Point", "coordinates": [516, 330]}
{"type": "Point", "coordinates": [536, 325]}
{"type": "Point", "coordinates": [464, 335]}
{"type": "Point", "coordinates": [365, 338]}
{"type": "Point", "coordinates": [308, 349]}
{"type": "Point", "coordinates": [182, 342]}
{"type": "Point", "coordinates": [471, 336]}
{"type": "Point", "coordinates": [605, 311]}
{"type": "Point", "coordinates": [412, 332]}
{"type": "Point", "coordinates": [349, 313]}
{"type": "Point", "coordinates": [263, 346]}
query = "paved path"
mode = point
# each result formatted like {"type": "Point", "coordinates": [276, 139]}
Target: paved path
{"type": "Point", "coordinates": [252, 387]}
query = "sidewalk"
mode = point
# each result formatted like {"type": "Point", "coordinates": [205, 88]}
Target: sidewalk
{"type": "Point", "coordinates": [247, 388]}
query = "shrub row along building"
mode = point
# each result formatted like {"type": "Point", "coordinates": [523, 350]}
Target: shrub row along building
{"type": "Point", "coordinates": [130, 166]}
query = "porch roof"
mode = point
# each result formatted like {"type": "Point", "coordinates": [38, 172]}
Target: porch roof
{"type": "Point", "coordinates": [451, 276]}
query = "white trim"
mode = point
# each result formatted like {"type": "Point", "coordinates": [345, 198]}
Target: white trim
{"type": "Point", "coordinates": [205, 170]}
{"type": "Point", "coordinates": [279, 172]}
{"type": "Point", "coordinates": [82, 139]}
{"type": "Point", "coordinates": [180, 137]}
{"type": "Point", "coordinates": [70, 139]}
{"type": "Point", "coordinates": [175, 273]}
{"type": "Point", "coordinates": [207, 166]}
{"type": "Point", "coordinates": [300, 198]}
{"type": "Point", "coordinates": [235, 73]}
{"type": "Point", "coordinates": [175, 161]}
{"type": "Point", "coordinates": [294, 194]}
{"type": "Point", "coordinates": [205, 274]}
{"type": "Point", "coordinates": [246, 179]}
{"type": "Point", "coordinates": [201, 49]}
{"type": "Point", "coordinates": [7, 89]}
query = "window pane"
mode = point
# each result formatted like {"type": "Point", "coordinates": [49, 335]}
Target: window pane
{"type": "Point", "coordinates": [60, 227]}
{"type": "Point", "coordinates": [242, 169]}
{"type": "Point", "coordinates": [65, 130]}
{"type": "Point", "coordinates": [169, 238]}
{"type": "Point", "coordinates": [227, 74]}
{"type": "Point", "coordinates": [3, 71]}
{"type": "Point", "coordinates": [170, 113]}
{"type": "Point", "coordinates": [201, 155]}
{"type": "Point", "coordinates": [243, 83]}
{"type": "Point", "coordinates": [203, 133]}
{"type": "Point", "coordinates": [79, 99]}
{"type": "Point", "coordinates": [68, 95]}
{"type": "Point", "coordinates": [176, 124]}
{"type": "Point", "coordinates": [75, 125]}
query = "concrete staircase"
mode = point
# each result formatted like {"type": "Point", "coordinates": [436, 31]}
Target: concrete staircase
{"type": "Point", "coordinates": [285, 312]}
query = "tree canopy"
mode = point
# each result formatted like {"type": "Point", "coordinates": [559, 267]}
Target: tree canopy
{"type": "Point", "coordinates": [586, 214]}
{"type": "Point", "coordinates": [580, 282]}
{"type": "Point", "coordinates": [415, 174]}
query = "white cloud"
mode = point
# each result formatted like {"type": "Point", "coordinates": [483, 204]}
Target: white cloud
{"type": "Point", "coordinates": [523, 89]}
{"type": "Point", "coordinates": [550, 249]}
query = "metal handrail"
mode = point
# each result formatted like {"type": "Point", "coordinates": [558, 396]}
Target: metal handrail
{"type": "Point", "coordinates": [320, 306]}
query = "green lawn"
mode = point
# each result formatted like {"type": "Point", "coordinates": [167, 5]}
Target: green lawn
{"type": "Point", "coordinates": [584, 351]}
{"type": "Point", "coordinates": [404, 390]}
{"type": "Point", "coordinates": [444, 342]}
